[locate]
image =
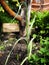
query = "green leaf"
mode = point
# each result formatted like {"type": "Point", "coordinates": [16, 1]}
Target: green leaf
{"type": "Point", "coordinates": [47, 53]}
{"type": "Point", "coordinates": [42, 31]}
{"type": "Point", "coordinates": [40, 52]}
{"type": "Point", "coordinates": [34, 35]}
{"type": "Point", "coordinates": [43, 60]}
{"type": "Point", "coordinates": [30, 45]}
{"type": "Point", "coordinates": [2, 47]}
{"type": "Point", "coordinates": [1, 9]}
{"type": "Point", "coordinates": [43, 50]}
{"type": "Point", "coordinates": [35, 57]}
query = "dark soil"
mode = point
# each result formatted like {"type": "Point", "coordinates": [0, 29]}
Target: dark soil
{"type": "Point", "coordinates": [17, 55]}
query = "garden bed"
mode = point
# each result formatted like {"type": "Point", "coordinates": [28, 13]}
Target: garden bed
{"type": "Point", "coordinates": [35, 47]}
{"type": "Point", "coordinates": [18, 54]}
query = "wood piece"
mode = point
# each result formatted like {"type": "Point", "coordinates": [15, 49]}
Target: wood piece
{"type": "Point", "coordinates": [10, 27]}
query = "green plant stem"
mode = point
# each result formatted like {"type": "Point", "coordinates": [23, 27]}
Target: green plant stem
{"type": "Point", "coordinates": [28, 11]}
{"type": "Point", "coordinates": [24, 60]}
{"type": "Point", "coordinates": [29, 51]}
{"type": "Point", "coordinates": [17, 13]}
{"type": "Point", "coordinates": [30, 46]}
{"type": "Point", "coordinates": [13, 48]}
{"type": "Point", "coordinates": [32, 25]}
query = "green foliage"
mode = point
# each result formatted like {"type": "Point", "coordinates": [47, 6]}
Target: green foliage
{"type": "Point", "coordinates": [2, 48]}
{"type": "Point", "coordinates": [41, 18]}
{"type": "Point", "coordinates": [41, 24]}
{"type": "Point", "coordinates": [40, 53]}
{"type": "Point", "coordinates": [1, 9]}
{"type": "Point", "coordinates": [14, 4]}
{"type": "Point", "coordinates": [37, 55]}
{"type": "Point", "coordinates": [5, 18]}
